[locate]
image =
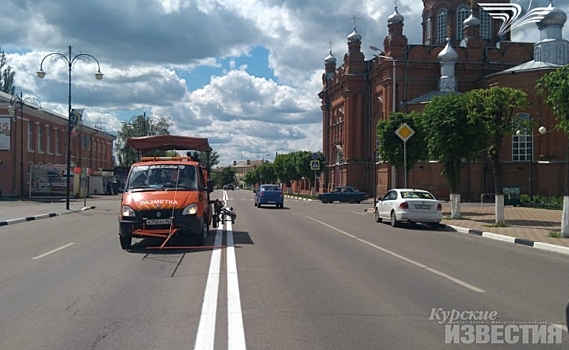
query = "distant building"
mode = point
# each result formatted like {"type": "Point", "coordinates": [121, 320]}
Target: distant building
{"type": "Point", "coordinates": [461, 51]}
{"type": "Point", "coordinates": [33, 150]}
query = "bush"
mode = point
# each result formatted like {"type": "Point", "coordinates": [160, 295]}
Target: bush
{"type": "Point", "coordinates": [546, 202]}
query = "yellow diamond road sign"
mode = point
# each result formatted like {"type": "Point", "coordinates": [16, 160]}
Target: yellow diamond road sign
{"type": "Point", "coordinates": [404, 132]}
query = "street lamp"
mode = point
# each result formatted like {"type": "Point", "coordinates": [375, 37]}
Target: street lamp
{"type": "Point", "coordinates": [69, 58]}
{"type": "Point", "coordinates": [21, 100]}
{"type": "Point", "coordinates": [393, 97]}
{"type": "Point", "coordinates": [542, 130]}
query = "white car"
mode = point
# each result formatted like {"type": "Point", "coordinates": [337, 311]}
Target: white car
{"type": "Point", "coordinates": [410, 206]}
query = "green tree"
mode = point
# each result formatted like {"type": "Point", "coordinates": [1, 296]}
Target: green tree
{"type": "Point", "coordinates": [452, 137]}
{"type": "Point", "coordinates": [391, 146]}
{"type": "Point", "coordinates": [285, 169]}
{"type": "Point", "coordinates": [202, 157]}
{"type": "Point", "coordinates": [227, 175]}
{"type": "Point", "coordinates": [6, 76]}
{"type": "Point", "coordinates": [140, 125]}
{"type": "Point", "coordinates": [554, 87]}
{"type": "Point", "coordinates": [497, 108]}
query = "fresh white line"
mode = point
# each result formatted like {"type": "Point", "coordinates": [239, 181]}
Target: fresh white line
{"type": "Point", "coordinates": [236, 333]}
{"type": "Point", "coordinates": [413, 262]}
{"type": "Point", "coordinates": [206, 328]}
{"type": "Point", "coordinates": [53, 251]}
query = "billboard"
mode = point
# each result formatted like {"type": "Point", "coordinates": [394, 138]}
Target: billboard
{"type": "Point", "coordinates": [49, 180]}
{"type": "Point", "coordinates": [5, 126]}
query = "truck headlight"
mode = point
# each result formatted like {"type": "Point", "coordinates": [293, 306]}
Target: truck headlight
{"type": "Point", "coordinates": [127, 211]}
{"type": "Point", "coordinates": [191, 209]}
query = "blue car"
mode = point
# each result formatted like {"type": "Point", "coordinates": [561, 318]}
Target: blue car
{"type": "Point", "coordinates": [269, 194]}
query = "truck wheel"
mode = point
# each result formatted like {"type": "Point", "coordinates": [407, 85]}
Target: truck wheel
{"type": "Point", "coordinates": [126, 242]}
{"type": "Point", "coordinates": [200, 237]}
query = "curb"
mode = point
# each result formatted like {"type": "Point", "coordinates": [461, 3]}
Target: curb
{"type": "Point", "coordinates": [509, 239]}
{"type": "Point", "coordinates": [41, 216]}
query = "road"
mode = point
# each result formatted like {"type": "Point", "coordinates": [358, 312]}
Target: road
{"type": "Point", "coordinates": [309, 276]}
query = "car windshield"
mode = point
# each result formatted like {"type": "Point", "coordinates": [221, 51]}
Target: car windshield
{"type": "Point", "coordinates": [164, 176]}
{"type": "Point", "coordinates": [270, 188]}
{"type": "Point", "coordinates": [417, 194]}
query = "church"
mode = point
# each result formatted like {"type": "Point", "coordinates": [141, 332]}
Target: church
{"type": "Point", "coordinates": [463, 48]}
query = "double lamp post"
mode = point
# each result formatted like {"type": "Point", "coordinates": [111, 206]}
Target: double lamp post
{"type": "Point", "coordinates": [69, 58]}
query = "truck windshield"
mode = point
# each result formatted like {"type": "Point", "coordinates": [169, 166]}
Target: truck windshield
{"type": "Point", "coordinates": [163, 176]}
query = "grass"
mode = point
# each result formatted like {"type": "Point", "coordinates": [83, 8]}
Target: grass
{"type": "Point", "coordinates": [459, 218]}
{"type": "Point", "coordinates": [555, 234]}
{"type": "Point", "coordinates": [498, 224]}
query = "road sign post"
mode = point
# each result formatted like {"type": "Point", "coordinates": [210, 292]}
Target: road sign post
{"type": "Point", "coordinates": [405, 132]}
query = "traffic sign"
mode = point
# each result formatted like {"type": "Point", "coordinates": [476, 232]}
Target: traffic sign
{"type": "Point", "coordinates": [315, 156]}
{"type": "Point", "coordinates": [404, 132]}
{"type": "Point", "coordinates": [314, 165]}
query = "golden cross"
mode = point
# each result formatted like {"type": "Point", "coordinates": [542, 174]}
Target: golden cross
{"type": "Point", "coordinates": [330, 43]}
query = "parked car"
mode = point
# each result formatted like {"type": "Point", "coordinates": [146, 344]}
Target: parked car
{"type": "Point", "coordinates": [269, 194]}
{"type": "Point", "coordinates": [409, 206]}
{"type": "Point", "coordinates": [343, 194]}
{"type": "Point", "coordinates": [228, 187]}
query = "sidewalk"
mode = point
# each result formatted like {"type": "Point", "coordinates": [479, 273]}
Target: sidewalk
{"type": "Point", "coordinates": [17, 211]}
{"type": "Point", "coordinates": [527, 226]}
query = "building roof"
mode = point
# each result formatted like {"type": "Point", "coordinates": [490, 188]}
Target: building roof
{"type": "Point", "coordinates": [428, 97]}
{"type": "Point", "coordinates": [527, 67]}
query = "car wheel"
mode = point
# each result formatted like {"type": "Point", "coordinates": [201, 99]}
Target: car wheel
{"type": "Point", "coordinates": [352, 201]}
{"type": "Point", "coordinates": [255, 203]}
{"type": "Point", "coordinates": [358, 202]}
{"type": "Point", "coordinates": [258, 205]}
{"type": "Point", "coordinates": [394, 222]}
{"type": "Point", "coordinates": [126, 242]}
{"type": "Point", "coordinates": [324, 201]}
{"type": "Point", "coordinates": [434, 225]}
{"type": "Point", "coordinates": [376, 216]}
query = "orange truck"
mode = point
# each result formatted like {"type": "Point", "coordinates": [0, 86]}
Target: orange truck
{"type": "Point", "coordinates": [166, 197]}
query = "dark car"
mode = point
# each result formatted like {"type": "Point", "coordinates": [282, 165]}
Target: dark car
{"type": "Point", "coordinates": [348, 194]}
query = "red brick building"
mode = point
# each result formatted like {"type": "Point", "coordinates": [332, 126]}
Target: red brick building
{"type": "Point", "coordinates": [32, 138]}
{"type": "Point", "coordinates": [461, 51]}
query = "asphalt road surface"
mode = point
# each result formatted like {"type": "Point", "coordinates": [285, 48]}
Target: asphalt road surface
{"type": "Point", "coordinates": [309, 276]}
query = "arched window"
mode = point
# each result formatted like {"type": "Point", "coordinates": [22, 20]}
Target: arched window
{"type": "Point", "coordinates": [462, 13]}
{"type": "Point", "coordinates": [442, 20]}
{"type": "Point", "coordinates": [429, 32]}
{"type": "Point", "coordinates": [485, 25]}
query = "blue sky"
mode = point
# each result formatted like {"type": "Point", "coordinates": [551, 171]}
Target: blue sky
{"type": "Point", "coordinates": [245, 74]}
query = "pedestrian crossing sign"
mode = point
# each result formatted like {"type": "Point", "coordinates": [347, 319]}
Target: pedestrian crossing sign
{"type": "Point", "coordinates": [314, 165]}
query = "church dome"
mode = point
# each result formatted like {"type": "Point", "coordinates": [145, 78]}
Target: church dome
{"type": "Point", "coordinates": [555, 17]}
{"type": "Point", "coordinates": [354, 36]}
{"type": "Point", "coordinates": [330, 58]}
{"type": "Point", "coordinates": [448, 54]}
{"type": "Point", "coordinates": [395, 17]}
{"type": "Point", "coordinates": [471, 21]}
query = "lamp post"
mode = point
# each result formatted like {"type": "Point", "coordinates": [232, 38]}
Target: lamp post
{"type": "Point", "coordinates": [393, 99]}
{"type": "Point", "coordinates": [22, 101]}
{"type": "Point", "coordinates": [70, 59]}
{"type": "Point", "coordinates": [542, 130]}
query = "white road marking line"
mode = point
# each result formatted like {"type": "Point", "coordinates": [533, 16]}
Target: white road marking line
{"type": "Point", "coordinates": [413, 262]}
{"type": "Point", "coordinates": [235, 331]}
{"type": "Point", "coordinates": [53, 251]}
{"type": "Point", "coordinates": [359, 213]}
{"type": "Point", "coordinates": [206, 329]}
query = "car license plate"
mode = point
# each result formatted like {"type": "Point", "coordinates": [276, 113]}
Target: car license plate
{"type": "Point", "coordinates": [157, 221]}
{"type": "Point", "coordinates": [422, 206]}
{"type": "Point", "coordinates": [271, 202]}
